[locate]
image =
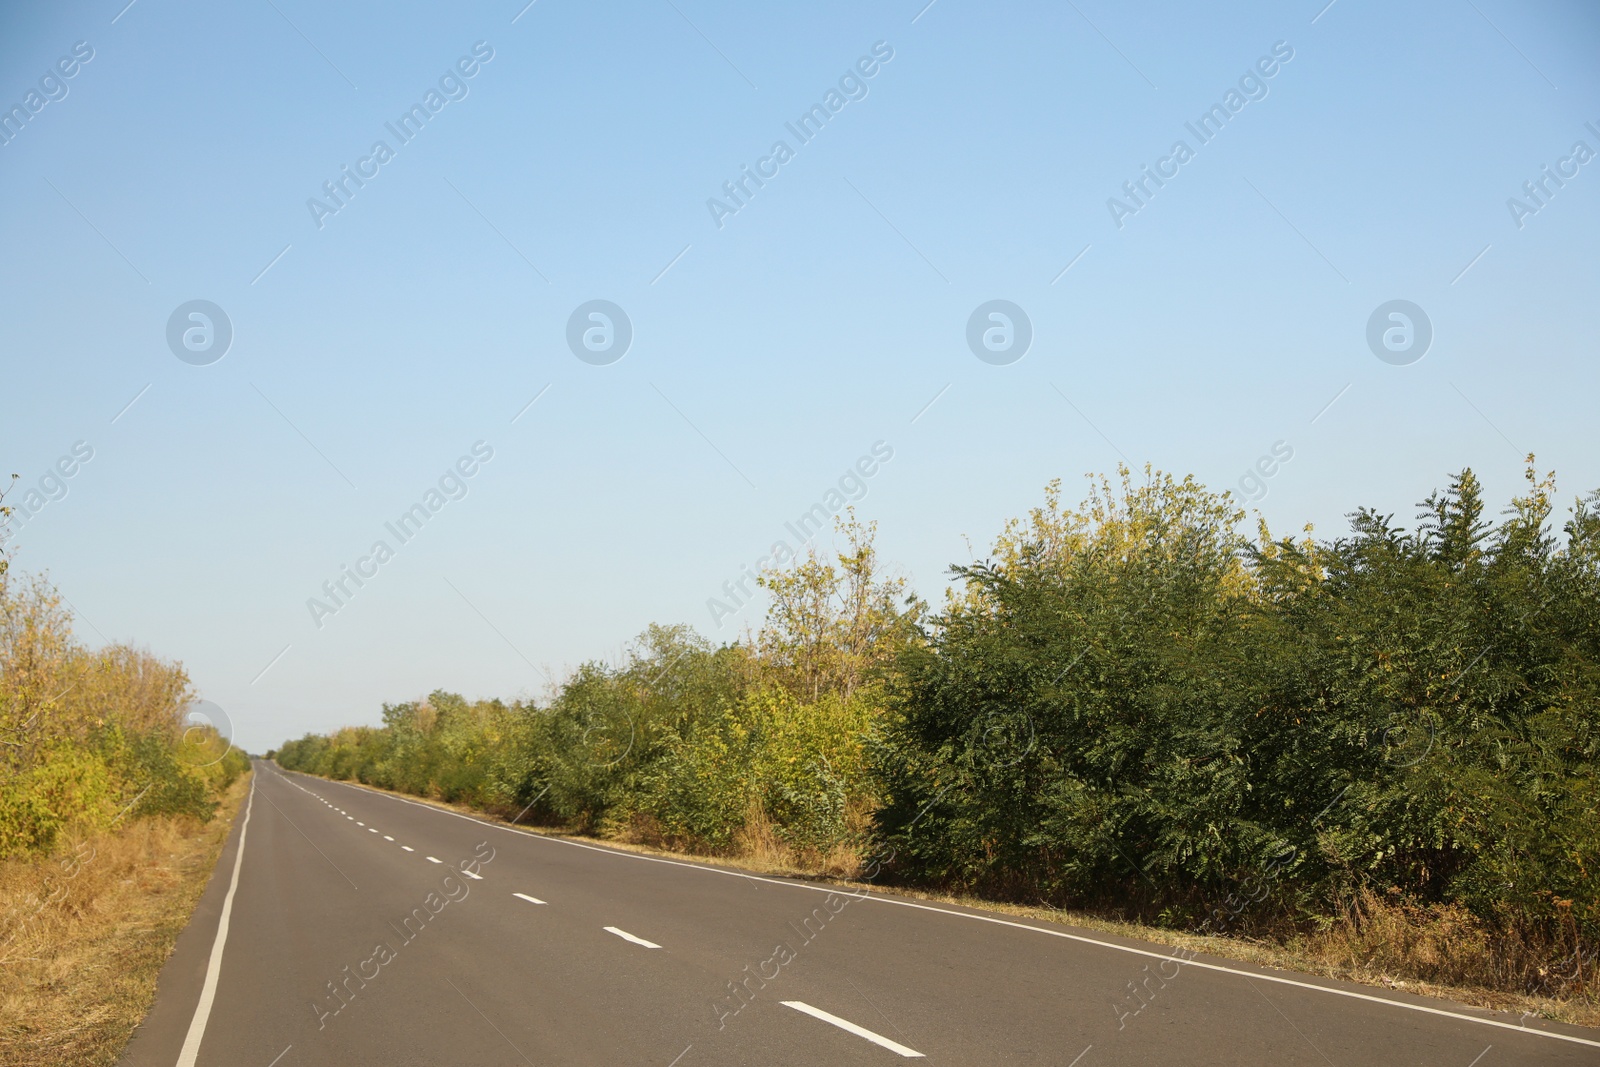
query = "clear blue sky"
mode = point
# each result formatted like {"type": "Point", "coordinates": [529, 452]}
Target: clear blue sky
{"type": "Point", "coordinates": [1221, 317]}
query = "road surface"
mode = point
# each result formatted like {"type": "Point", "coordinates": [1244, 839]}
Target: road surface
{"type": "Point", "coordinates": [345, 926]}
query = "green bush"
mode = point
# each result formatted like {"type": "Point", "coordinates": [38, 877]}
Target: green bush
{"type": "Point", "coordinates": [67, 788]}
{"type": "Point", "coordinates": [1133, 707]}
{"type": "Point", "coordinates": [1129, 706]}
{"type": "Point", "coordinates": [163, 783]}
{"type": "Point", "coordinates": [92, 737]}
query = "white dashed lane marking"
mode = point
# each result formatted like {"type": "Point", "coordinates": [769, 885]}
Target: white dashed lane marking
{"type": "Point", "coordinates": [370, 830]}
{"type": "Point", "coordinates": [629, 937]}
{"type": "Point", "coordinates": [432, 860]}
{"type": "Point", "coordinates": [530, 900]}
{"type": "Point", "coordinates": [971, 916]}
{"type": "Point", "coordinates": [850, 1027]}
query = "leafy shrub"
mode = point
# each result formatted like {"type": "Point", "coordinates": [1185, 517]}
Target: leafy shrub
{"type": "Point", "coordinates": [1417, 711]}
{"type": "Point", "coordinates": [91, 737]}
{"type": "Point", "coordinates": [1130, 706]}
{"type": "Point", "coordinates": [66, 788]}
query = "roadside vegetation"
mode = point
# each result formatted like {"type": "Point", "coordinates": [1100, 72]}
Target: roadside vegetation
{"type": "Point", "coordinates": [1377, 753]}
{"type": "Point", "coordinates": [92, 739]}
{"type": "Point", "coordinates": [88, 930]}
{"type": "Point", "coordinates": [108, 829]}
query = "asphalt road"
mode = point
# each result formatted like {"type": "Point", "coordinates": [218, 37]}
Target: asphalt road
{"type": "Point", "coordinates": [345, 926]}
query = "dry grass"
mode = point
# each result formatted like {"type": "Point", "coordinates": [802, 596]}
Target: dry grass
{"type": "Point", "coordinates": [1386, 940]}
{"type": "Point", "coordinates": [757, 842]}
{"type": "Point", "coordinates": [1435, 952]}
{"type": "Point", "coordinates": [85, 934]}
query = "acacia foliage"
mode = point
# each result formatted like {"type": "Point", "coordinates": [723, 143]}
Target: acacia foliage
{"type": "Point", "coordinates": [1131, 704]}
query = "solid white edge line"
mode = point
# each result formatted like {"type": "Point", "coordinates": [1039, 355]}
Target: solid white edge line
{"type": "Point", "coordinates": [859, 1031]}
{"type": "Point", "coordinates": [530, 900]}
{"type": "Point", "coordinates": [858, 894]}
{"type": "Point", "coordinates": [630, 937]}
{"type": "Point", "coordinates": [208, 990]}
